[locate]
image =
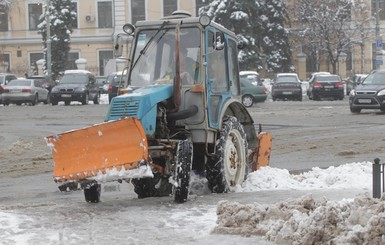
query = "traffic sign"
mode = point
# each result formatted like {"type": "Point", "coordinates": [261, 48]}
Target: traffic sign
{"type": "Point", "coordinates": [379, 43]}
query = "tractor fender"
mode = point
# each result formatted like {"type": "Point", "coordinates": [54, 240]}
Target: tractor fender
{"type": "Point", "coordinates": [232, 107]}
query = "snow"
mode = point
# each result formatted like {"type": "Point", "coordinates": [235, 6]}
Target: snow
{"type": "Point", "coordinates": [306, 220]}
{"type": "Point", "coordinates": [302, 220]}
{"type": "Point", "coordinates": [272, 206]}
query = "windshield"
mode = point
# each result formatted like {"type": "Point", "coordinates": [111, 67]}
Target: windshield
{"type": "Point", "coordinates": [74, 79]}
{"type": "Point", "coordinates": [20, 83]}
{"type": "Point", "coordinates": [326, 78]}
{"type": "Point", "coordinates": [375, 78]}
{"type": "Point", "coordinates": [156, 62]}
{"type": "Point", "coordinates": [287, 79]}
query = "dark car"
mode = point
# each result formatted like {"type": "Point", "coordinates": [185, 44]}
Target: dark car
{"type": "Point", "coordinates": [351, 83]}
{"type": "Point", "coordinates": [252, 92]}
{"type": "Point", "coordinates": [286, 86]}
{"type": "Point", "coordinates": [115, 81]}
{"type": "Point", "coordinates": [46, 82]}
{"type": "Point", "coordinates": [76, 85]}
{"type": "Point", "coordinates": [369, 94]}
{"type": "Point", "coordinates": [328, 86]}
{"type": "Point", "coordinates": [101, 80]}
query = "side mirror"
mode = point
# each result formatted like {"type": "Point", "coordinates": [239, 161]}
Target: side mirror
{"type": "Point", "coordinates": [241, 45]}
{"type": "Point", "coordinates": [219, 41]}
{"type": "Point", "coordinates": [122, 44]}
{"type": "Point", "coordinates": [118, 46]}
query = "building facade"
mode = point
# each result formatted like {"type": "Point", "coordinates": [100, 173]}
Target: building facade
{"type": "Point", "coordinates": [99, 21]}
{"type": "Point", "coordinates": [97, 24]}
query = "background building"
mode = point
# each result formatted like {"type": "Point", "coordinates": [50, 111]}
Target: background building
{"type": "Point", "coordinates": [99, 21]}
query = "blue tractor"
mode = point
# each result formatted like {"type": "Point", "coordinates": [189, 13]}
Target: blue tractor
{"type": "Point", "coordinates": [179, 112]}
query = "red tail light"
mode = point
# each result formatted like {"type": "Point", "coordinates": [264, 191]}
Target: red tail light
{"type": "Point", "coordinates": [6, 90]}
{"type": "Point", "coordinates": [317, 85]}
{"type": "Point", "coordinates": [110, 88]}
{"type": "Point", "coordinates": [1, 89]}
{"type": "Point", "coordinates": [264, 90]}
{"type": "Point", "coordinates": [26, 90]}
{"type": "Point", "coordinates": [340, 85]}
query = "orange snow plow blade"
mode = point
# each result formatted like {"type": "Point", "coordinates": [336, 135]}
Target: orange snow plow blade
{"type": "Point", "coordinates": [261, 156]}
{"type": "Point", "coordinates": [85, 152]}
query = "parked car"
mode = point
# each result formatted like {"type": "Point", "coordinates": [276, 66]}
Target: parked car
{"type": "Point", "coordinates": [286, 86]}
{"type": "Point", "coordinates": [252, 92]}
{"type": "Point", "coordinates": [325, 86]}
{"type": "Point", "coordinates": [251, 75]}
{"type": "Point", "coordinates": [5, 78]}
{"type": "Point", "coordinates": [101, 80]}
{"type": "Point", "coordinates": [115, 81]}
{"type": "Point", "coordinates": [24, 90]}
{"type": "Point", "coordinates": [76, 85]}
{"type": "Point", "coordinates": [369, 94]}
{"type": "Point", "coordinates": [45, 81]}
{"type": "Point", "coordinates": [352, 83]}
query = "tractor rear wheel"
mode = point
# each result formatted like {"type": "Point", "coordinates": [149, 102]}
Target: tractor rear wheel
{"type": "Point", "coordinates": [229, 166]}
{"type": "Point", "coordinates": [183, 168]}
{"type": "Point", "coordinates": [92, 193]}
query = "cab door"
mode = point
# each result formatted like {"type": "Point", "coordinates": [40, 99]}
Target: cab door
{"type": "Point", "coordinates": [218, 84]}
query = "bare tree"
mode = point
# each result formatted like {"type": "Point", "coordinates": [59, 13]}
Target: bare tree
{"type": "Point", "coordinates": [4, 6]}
{"type": "Point", "coordinates": [329, 28]}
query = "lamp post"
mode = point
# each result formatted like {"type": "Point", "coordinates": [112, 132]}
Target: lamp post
{"type": "Point", "coordinates": [48, 30]}
{"type": "Point", "coordinates": [378, 40]}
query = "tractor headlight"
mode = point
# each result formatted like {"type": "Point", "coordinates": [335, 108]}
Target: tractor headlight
{"type": "Point", "coordinates": [204, 20]}
{"type": "Point", "coordinates": [129, 29]}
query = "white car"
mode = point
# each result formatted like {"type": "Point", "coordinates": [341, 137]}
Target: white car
{"type": "Point", "coordinates": [23, 90]}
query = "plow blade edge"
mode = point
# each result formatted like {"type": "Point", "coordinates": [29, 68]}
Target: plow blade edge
{"type": "Point", "coordinates": [84, 153]}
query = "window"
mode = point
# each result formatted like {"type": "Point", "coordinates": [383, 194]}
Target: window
{"type": "Point", "coordinates": [169, 6]}
{"type": "Point", "coordinates": [5, 64]}
{"type": "Point", "coordinates": [104, 57]}
{"type": "Point", "coordinates": [72, 57]}
{"type": "Point", "coordinates": [33, 57]}
{"type": "Point", "coordinates": [35, 10]}
{"type": "Point", "coordinates": [105, 14]}
{"type": "Point", "coordinates": [137, 10]}
{"type": "Point", "coordinates": [3, 18]}
{"type": "Point", "coordinates": [233, 66]}
{"type": "Point", "coordinates": [381, 13]}
{"type": "Point", "coordinates": [74, 8]}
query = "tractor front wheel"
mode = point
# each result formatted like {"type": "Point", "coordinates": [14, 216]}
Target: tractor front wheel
{"type": "Point", "coordinates": [157, 186]}
{"type": "Point", "coordinates": [229, 166]}
{"type": "Point", "coordinates": [92, 193]}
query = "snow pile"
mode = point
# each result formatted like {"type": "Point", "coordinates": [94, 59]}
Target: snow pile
{"type": "Point", "coordinates": [347, 176]}
{"type": "Point", "coordinates": [307, 221]}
